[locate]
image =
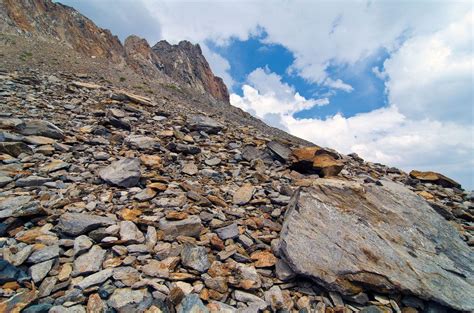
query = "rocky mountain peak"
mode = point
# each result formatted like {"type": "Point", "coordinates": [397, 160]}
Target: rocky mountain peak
{"type": "Point", "coordinates": [182, 63]}
{"type": "Point", "coordinates": [185, 62]}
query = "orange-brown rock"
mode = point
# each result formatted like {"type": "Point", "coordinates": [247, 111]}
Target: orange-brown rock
{"type": "Point", "coordinates": [263, 258]}
{"type": "Point", "coordinates": [316, 160]}
{"type": "Point", "coordinates": [434, 178]}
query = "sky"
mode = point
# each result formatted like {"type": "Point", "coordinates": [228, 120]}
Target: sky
{"type": "Point", "coordinates": [389, 80]}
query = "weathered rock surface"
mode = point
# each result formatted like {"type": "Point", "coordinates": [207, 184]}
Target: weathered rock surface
{"type": "Point", "coordinates": [124, 173]}
{"type": "Point", "coordinates": [344, 236]}
{"type": "Point", "coordinates": [77, 223]}
{"type": "Point", "coordinates": [435, 178]}
{"type": "Point", "coordinates": [204, 123]}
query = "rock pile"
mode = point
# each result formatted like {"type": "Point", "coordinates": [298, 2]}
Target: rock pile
{"type": "Point", "coordinates": [112, 204]}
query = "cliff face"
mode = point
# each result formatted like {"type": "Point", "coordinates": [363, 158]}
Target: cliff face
{"type": "Point", "coordinates": [183, 63]}
{"type": "Point", "coordinates": [45, 19]}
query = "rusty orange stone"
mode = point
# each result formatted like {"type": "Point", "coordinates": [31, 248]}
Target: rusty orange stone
{"type": "Point", "coordinates": [130, 214]}
{"type": "Point", "coordinates": [263, 258]}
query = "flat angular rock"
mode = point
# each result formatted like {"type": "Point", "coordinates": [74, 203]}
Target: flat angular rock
{"type": "Point", "coordinates": [44, 254]}
{"type": "Point", "coordinates": [243, 195]}
{"type": "Point", "coordinates": [250, 153]}
{"type": "Point", "coordinates": [19, 207]}
{"type": "Point", "coordinates": [280, 151]}
{"type": "Point", "coordinates": [203, 123]}
{"type": "Point", "coordinates": [9, 273]}
{"type": "Point", "coordinates": [228, 232]}
{"type": "Point", "coordinates": [190, 169]}
{"type": "Point", "coordinates": [128, 300]}
{"type": "Point", "coordinates": [39, 140]}
{"type": "Point", "coordinates": [40, 270]}
{"type": "Point", "coordinates": [89, 262]}
{"type": "Point", "coordinates": [346, 236]}
{"type": "Point", "coordinates": [32, 181]}
{"type": "Point", "coordinates": [15, 148]}
{"type": "Point", "coordinates": [435, 178]}
{"type": "Point", "coordinates": [192, 303]}
{"type": "Point", "coordinates": [190, 227]}
{"type": "Point", "coordinates": [77, 223]}
{"type": "Point", "coordinates": [40, 128]}
{"type": "Point", "coordinates": [195, 257]}
{"type": "Point", "coordinates": [316, 160]}
{"type": "Point", "coordinates": [95, 279]}
{"type": "Point", "coordinates": [5, 180]}
{"type": "Point", "coordinates": [124, 173]}
{"type": "Point", "coordinates": [130, 233]}
{"type": "Point", "coordinates": [142, 142]}
{"type": "Point", "coordinates": [182, 148]}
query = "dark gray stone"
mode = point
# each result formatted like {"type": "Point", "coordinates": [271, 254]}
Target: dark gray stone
{"type": "Point", "coordinates": [195, 257]}
{"type": "Point", "coordinates": [203, 123]}
{"type": "Point", "coordinates": [40, 128]}
{"type": "Point", "coordinates": [77, 223]}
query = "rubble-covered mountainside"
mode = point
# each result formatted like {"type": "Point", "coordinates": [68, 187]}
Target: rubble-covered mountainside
{"type": "Point", "coordinates": [128, 183]}
{"type": "Point", "coordinates": [114, 202]}
{"type": "Point", "coordinates": [54, 22]}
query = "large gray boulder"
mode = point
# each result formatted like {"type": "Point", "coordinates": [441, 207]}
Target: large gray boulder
{"type": "Point", "coordinates": [123, 173]}
{"type": "Point", "coordinates": [344, 236]}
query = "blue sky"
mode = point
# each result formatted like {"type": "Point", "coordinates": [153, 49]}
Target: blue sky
{"type": "Point", "coordinates": [368, 94]}
{"type": "Point", "coordinates": [389, 80]}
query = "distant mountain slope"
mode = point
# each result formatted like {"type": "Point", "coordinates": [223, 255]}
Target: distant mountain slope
{"type": "Point", "coordinates": [184, 63]}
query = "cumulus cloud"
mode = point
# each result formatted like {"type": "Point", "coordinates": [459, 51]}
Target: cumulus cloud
{"type": "Point", "coordinates": [432, 76]}
{"type": "Point", "coordinates": [268, 98]}
{"type": "Point", "coordinates": [428, 124]}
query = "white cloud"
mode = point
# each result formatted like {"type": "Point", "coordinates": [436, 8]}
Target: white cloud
{"type": "Point", "coordinates": [319, 33]}
{"type": "Point", "coordinates": [428, 124]}
{"type": "Point", "coordinates": [267, 97]}
{"type": "Point", "coordinates": [432, 76]}
{"type": "Point", "coordinates": [337, 84]}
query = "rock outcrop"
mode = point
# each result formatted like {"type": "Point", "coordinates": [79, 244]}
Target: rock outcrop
{"type": "Point", "coordinates": [49, 20]}
{"type": "Point", "coordinates": [183, 63]}
{"type": "Point", "coordinates": [186, 64]}
{"type": "Point", "coordinates": [347, 236]}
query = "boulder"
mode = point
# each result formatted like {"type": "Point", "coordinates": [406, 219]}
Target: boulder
{"type": "Point", "coordinates": [124, 173]}
{"type": "Point", "coordinates": [434, 178]}
{"type": "Point", "coordinates": [316, 160]}
{"type": "Point", "coordinates": [203, 123]}
{"type": "Point", "coordinates": [347, 237]}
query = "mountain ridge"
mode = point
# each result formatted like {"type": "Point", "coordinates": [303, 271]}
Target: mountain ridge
{"type": "Point", "coordinates": [183, 62]}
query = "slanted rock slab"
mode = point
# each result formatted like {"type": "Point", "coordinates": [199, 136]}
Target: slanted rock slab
{"type": "Point", "coordinates": [345, 236]}
{"type": "Point", "coordinates": [123, 173]}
